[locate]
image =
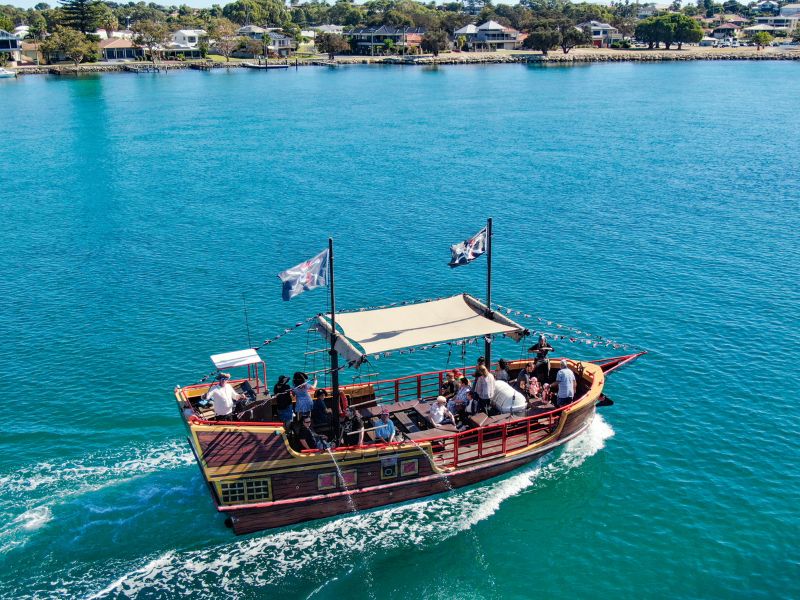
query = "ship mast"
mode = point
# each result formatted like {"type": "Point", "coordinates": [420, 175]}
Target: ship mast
{"type": "Point", "coordinates": [487, 351]}
{"type": "Point", "coordinates": [333, 353]}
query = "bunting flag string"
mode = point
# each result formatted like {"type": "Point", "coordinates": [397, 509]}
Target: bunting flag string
{"type": "Point", "coordinates": [578, 336]}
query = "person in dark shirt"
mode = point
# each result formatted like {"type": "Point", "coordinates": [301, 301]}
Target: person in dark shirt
{"type": "Point", "coordinates": [450, 385]}
{"type": "Point", "coordinates": [542, 368]}
{"type": "Point", "coordinates": [352, 429]}
{"type": "Point", "coordinates": [309, 439]}
{"type": "Point", "coordinates": [283, 399]}
{"type": "Point", "coordinates": [320, 412]}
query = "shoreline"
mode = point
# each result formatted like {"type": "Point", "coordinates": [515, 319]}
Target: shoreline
{"type": "Point", "coordinates": [575, 56]}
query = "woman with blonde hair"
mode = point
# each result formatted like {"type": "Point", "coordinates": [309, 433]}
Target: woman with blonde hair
{"type": "Point", "coordinates": [484, 387]}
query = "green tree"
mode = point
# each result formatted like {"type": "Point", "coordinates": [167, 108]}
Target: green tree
{"type": "Point", "coordinates": [151, 35]}
{"type": "Point", "coordinates": [572, 36]}
{"type": "Point", "coordinates": [434, 41]}
{"type": "Point", "coordinates": [331, 44]}
{"type": "Point", "coordinates": [461, 41]}
{"type": "Point", "coordinates": [107, 20]}
{"type": "Point", "coordinates": [268, 12]}
{"type": "Point", "coordinates": [41, 6]}
{"type": "Point", "coordinates": [6, 24]}
{"type": "Point", "coordinates": [69, 42]}
{"type": "Point", "coordinates": [761, 39]}
{"type": "Point", "coordinates": [81, 15]}
{"type": "Point", "coordinates": [665, 31]}
{"type": "Point", "coordinates": [686, 29]}
{"type": "Point", "coordinates": [346, 13]}
{"type": "Point", "coordinates": [647, 31]}
{"type": "Point", "coordinates": [389, 45]}
{"type": "Point", "coordinates": [224, 32]}
{"type": "Point", "coordinates": [543, 40]}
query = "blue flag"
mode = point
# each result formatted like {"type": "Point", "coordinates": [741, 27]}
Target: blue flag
{"type": "Point", "coordinates": [307, 275]}
{"type": "Point", "coordinates": [468, 250]}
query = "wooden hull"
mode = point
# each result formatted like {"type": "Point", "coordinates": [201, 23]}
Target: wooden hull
{"type": "Point", "coordinates": [252, 520]}
{"type": "Point", "coordinates": [258, 480]}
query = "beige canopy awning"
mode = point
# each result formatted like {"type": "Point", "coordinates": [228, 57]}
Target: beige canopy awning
{"type": "Point", "coordinates": [373, 331]}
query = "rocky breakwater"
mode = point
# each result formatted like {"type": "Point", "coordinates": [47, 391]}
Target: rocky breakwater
{"type": "Point", "coordinates": [660, 56]}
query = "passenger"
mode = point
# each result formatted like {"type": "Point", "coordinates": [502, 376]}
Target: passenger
{"type": "Point", "coordinates": [385, 430]}
{"type": "Point", "coordinates": [223, 397]}
{"type": "Point", "coordinates": [440, 415]}
{"type": "Point", "coordinates": [320, 413]}
{"type": "Point", "coordinates": [567, 385]}
{"type": "Point", "coordinates": [484, 388]}
{"type": "Point", "coordinates": [302, 392]}
{"type": "Point", "coordinates": [344, 403]}
{"type": "Point", "coordinates": [524, 378]}
{"type": "Point", "coordinates": [308, 438]}
{"type": "Point", "coordinates": [501, 372]}
{"type": "Point", "coordinates": [458, 404]}
{"type": "Point", "coordinates": [450, 386]}
{"type": "Point", "coordinates": [352, 428]}
{"type": "Point", "coordinates": [535, 389]}
{"type": "Point", "coordinates": [283, 399]}
{"type": "Point", "coordinates": [547, 393]}
{"type": "Point", "coordinates": [542, 349]}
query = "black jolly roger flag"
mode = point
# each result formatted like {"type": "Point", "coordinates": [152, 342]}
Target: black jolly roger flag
{"type": "Point", "coordinates": [468, 250]}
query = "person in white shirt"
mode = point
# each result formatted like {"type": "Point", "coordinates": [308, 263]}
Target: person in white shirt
{"type": "Point", "coordinates": [567, 385]}
{"type": "Point", "coordinates": [440, 415]}
{"type": "Point", "coordinates": [223, 397]}
{"type": "Point", "coordinates": [484, 387]}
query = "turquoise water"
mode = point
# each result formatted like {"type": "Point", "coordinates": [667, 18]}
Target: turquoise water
{"type": "Point", "coordinates": [653, 204]}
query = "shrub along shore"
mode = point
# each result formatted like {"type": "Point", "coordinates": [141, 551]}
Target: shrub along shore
{"type": "Point", "coordinates": [576, 56]}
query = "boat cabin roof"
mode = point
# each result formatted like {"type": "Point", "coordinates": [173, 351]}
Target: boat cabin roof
{"type": "Point", "coordinates": [379, 330]}
{"type": "Point", "coordinates": [237, 358]}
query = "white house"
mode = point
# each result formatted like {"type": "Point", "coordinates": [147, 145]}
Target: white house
{"type": "Point", "coordinates": [781, 23]}
{"type": "Point", "coordinates": [10, 45]}
{"type": "Point", "coordinates": [489, 36]}
{"type": "Point", "coordinates": [188, 38]}
{"type": "Point", "coordinates": [790, 10]}
{"type": "Point", "coordinates": [22, 31]}
{"type": "Point", "coordinates": [338, 29]}
{"type": "Point", "coordinates": [603, 34]}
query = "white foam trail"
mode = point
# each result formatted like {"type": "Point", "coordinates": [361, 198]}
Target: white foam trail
{"type": "Point", "coordinates": [334, 546]}
{"type": "Point", "coordinates": [123, 463]}
{"type": "Point", "coordinates": [37, 488]}
{"type": "Point", "coordinates": [34, 518]}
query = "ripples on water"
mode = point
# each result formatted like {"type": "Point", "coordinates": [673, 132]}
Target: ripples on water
{"type": "Point", "coordinates": [629, 201]}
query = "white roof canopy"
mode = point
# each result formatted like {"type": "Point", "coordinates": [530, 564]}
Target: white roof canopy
{"type": "Point", "coordinates": [387, 329]}
{"type": "Point", "coordinates": [238, 358]}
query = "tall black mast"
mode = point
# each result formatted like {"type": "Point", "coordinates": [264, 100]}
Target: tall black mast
{"type": "Point", "coordinates": [487, 352]}
{"type": "Point", "coordinates": [333, 353]}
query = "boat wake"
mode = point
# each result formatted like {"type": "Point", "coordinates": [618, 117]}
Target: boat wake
{"type": "Point", "coordinates": [319, 552]}
{"type": "Point", "coordinates": [30, 493]}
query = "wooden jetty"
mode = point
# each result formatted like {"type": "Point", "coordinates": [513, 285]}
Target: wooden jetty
{"type": "Point", "coordinates": [248, 65]}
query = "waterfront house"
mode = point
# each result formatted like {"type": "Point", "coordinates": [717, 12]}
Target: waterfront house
{"type": "Point", "coordinates": [603, 34]}
{"type": "Point", "coordinates": [751, 31]}
{"type": "Point", "coordinates": [10, 45]}
{"type": "Point", "coordinates": [372, 40]}
{"type": "Point", "coordinates": [279, 44]}
{"type": "Point", "coordinates": [726, 30]}
{"type": "Point", "coordinates": [120, 49]}
{"type": "Point", "coordinates": [188, 38]}
{"type": "Point", "coordinates": [490, 36]}
{"type": "Point", "coordinates": [783, 24]}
